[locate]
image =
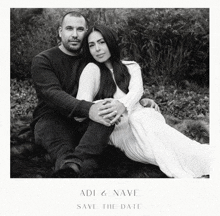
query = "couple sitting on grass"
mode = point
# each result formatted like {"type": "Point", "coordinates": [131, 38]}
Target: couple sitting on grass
{"type": "Point", "coordinates": [105, 105]}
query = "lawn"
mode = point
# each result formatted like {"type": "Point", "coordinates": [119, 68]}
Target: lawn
{"type": "Point", "coordinates": [186, 102]}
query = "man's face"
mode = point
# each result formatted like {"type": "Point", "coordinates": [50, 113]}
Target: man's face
{"type": "Point", "coordinates": [72, 33]}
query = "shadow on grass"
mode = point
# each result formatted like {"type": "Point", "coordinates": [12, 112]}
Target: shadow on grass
{"type": "Point", "coordinates": [112, 164]}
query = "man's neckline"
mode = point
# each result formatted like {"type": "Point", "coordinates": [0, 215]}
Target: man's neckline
{"type": "Point", "coordinates": [61, 50]}
{"type": "Point", "coordinates": [69, 56]}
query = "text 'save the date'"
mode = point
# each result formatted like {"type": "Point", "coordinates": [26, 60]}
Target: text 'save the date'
{"type": "Point", "coordinates": [108, 206]}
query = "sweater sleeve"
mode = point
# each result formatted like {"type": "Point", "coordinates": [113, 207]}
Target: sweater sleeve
{"type": "Point", "coordinates": [135, 86]}
{"type": "Point", "coordinates": [49, 89]}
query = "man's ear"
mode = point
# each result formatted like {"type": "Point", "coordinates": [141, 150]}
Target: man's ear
{"type": "Point", "coordinates": [60, 31]}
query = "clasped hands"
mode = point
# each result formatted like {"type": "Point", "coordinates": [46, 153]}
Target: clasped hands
{"type": "Point", "coordinates": [109, 111]}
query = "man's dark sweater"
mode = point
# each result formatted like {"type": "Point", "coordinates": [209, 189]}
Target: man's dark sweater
{"type": "Point", "coordinates": [55, 77]}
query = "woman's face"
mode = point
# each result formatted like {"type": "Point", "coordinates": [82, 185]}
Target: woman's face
{"type": "Point", "coordinates": [98, 47]}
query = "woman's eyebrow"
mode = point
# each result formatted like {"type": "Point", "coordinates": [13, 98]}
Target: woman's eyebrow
{"type": "Point", "coordinates": [100, 39]}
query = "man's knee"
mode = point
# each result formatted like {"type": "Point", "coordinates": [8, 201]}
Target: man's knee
{"type": "Point", "coordinates": [56, 136]}
{"type": "Point", "coordinates": [99, 128]}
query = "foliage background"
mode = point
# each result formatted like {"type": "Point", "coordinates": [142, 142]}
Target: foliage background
{"type": "Point", "coordinates": [170, 44]}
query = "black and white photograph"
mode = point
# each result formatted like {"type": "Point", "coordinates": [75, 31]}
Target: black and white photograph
{"type": "Point", "coordinates": [87, 94]}
{"type": "Point", "coordinates": [112, 110]}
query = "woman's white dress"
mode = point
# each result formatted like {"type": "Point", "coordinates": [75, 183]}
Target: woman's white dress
{"type": "Point", "coordinates": [143, 134]}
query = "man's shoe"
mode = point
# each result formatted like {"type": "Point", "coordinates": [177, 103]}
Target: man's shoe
{"type": "Point", "coordinates": [65, 173]}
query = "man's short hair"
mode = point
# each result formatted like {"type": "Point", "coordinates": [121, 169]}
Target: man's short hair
{"type": "Point", "coordinates": [74, 14]}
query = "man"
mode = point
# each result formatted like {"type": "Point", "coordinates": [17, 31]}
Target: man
{"type": "Point", "coordinates": [55, 73]}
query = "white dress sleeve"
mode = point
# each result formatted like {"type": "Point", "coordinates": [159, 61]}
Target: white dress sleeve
{"type": "Point", "coordinates": [135, 86]}
{"type": "Point", "coordinates": [89, 84]}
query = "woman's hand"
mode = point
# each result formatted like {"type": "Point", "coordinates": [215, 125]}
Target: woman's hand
{"type": "Point", "coordinates": [146, 102]}
{"type": "Point", "coordinates": [94, 114]}
{"type": "Point", "coordinates": [113, 110]}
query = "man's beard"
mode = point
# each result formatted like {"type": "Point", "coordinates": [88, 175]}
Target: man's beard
{"type": "Point", "coordinates": [72, 49]}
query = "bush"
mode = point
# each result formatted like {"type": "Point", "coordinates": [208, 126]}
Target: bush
{"type": "Point", "coordinates": [190, 103]}
{"type": "Point", "coordinates": [32, 31]}
{"type": "Point", "coordinates": [169, 44]}
{"type": "Point", "coordinates": [23, 101]}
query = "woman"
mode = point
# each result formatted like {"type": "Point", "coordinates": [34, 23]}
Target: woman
{"type": "Point", "coordinates": [142, 133]}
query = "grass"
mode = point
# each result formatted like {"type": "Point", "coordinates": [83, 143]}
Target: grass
{"type": "Point", "coordinates": [191, 102]}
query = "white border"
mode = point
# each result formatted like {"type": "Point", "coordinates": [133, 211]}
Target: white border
{"type": "Point", "coordinates": [55, 197]}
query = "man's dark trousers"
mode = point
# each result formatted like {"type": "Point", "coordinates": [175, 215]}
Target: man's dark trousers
{"type": "Point", "coordinates": [67, 140]}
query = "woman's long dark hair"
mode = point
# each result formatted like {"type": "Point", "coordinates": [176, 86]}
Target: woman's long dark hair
{"type": "Point", "coordinates": [121, 74]}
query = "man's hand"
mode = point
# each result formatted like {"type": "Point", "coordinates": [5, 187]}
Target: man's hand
{"type": "Point", "coordinates": [146, 102]}
{"type": "Point", "coordinates": [94, 114]}
{"type": "Point", "coordinates": [113, 110]}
